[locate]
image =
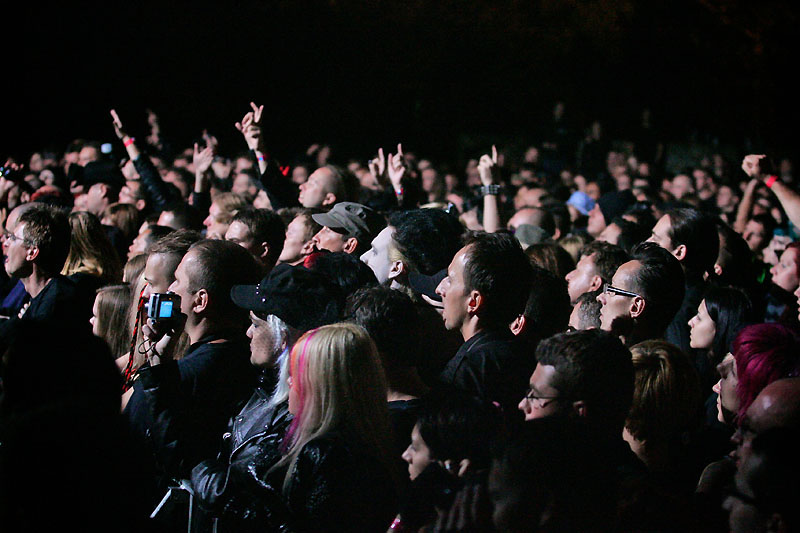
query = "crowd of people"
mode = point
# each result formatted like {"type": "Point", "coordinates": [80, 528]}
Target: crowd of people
{"type": "Point", "coordinates": [570, 337]}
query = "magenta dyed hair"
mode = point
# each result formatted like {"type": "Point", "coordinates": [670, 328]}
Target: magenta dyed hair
{"type": "Point", "coordinates": [763, 354]}
{"type": "Point", "coordinates": [297, 363]}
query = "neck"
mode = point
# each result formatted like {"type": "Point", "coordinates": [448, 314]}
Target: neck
{"type": "Point", "coordinates": [204, 327]}
{"type": "Point", "coordinates": [404, 384]}
{"type": "Point", "coordinates": [36, 282]}
{"type": "Point", "coordinates": [471, 327]}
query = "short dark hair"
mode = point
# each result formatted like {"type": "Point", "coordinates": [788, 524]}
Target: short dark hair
{"type": "Point", "coordinates": [264, 225]}
{"type": "Point", "coordinates": [593, 366]}
{"type": "Point", "coordinates": [48, 229]}
{"type": "Point", "coordinates": [548, 306]}
{"type": "Point", "coordinates": [345, 270]}
{"type": "Point", "coordinates": [391, 319]}
{"type": "Point", "coordinates": [345, 184]}
{"type": "Point", "coordinates": [660, 281]}
{"type": "Point", "coordinates": [427, 238]}
{"type": "Point", "coordinates": [500, 271]}
{"type": "Point", "coordinates": [588, 310]}
{"type": "Point", "coordinates": [607, 258]}
{"type": "Point", "coordinates": [551, 256]}
{"type": "Point", "coordinates": [221, 265]}
{"type": "Point", "coordinates": [697, 231]}
{"type": "Point", "coordinates": [735, 258]}
{"type": "Point", "coordinates": [631, 233]}
{"type": "Point", "coordinates": [767, 221]}
{"type": "Point", "coordinates": [288, 214]}
{"type": "Point", "coordinates": [175, 242]}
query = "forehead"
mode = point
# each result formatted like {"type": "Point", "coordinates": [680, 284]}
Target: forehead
{"type": "Point", "coordinates": [237, 230]}
{"type": "Point", "coordinates": [459, 261]}
{"type": "Point", "coordinates": [542, 377]}
{"type": "Point", "coordinates": [383, 238]}
{"type": "Point", "coordinates": [790, 254]}
{"type": "Point", "coordinates": [622, 277]}
{"type": "Point", "coordinates": [662, 226]}
{"type": "Point", "coordinates": [321, 176]}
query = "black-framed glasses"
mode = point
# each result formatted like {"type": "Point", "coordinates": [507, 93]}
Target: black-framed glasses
{"type": "Point", "coordinates": [540, 402]}
{"type": "Point", "coordinates": [610, 289]}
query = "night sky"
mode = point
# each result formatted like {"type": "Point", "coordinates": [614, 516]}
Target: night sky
{"type": "Point", "coordinates": [435, 75]}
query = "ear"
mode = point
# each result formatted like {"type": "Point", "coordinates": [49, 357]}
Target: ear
{"type": "Point", "coordinates": [307, 247]}
{"type": "Point", "coordinates": [265, 247]}
{"type": "Point", "coordinates": [638, 305]}
{"type": "Point", "coordinates": [141, 204]}
{"type": "Point", "coordinates": [596, 284]}
{"type": "Point", "coordinates": [680, 252]}
{"type": "Point", "coordinates": [103, 190]}
{"type": "Point", "coordinates": [329, 199]}
{"type": "Point", "coordinates": [398, 268]}
{"type": "Point", "coordinates": [474, 303]}
{"type": "Point", "coordinates": [556, 235]}
{"type": "Point", "coordinates": [518, 325]}
{"type": "Point", "coordinates": [350, 245]}
{"type": "Point", "coordinates": [33, 253]}
{"type": "Point", "coordinates": [200, 301]}
{"type": "Point", "coordinates": [579, 408]}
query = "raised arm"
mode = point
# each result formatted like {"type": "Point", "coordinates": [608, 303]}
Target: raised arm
{"type": "Point", "coordinates": [757, 166]}
{"type": "Point", "coordinates": [487, 168]}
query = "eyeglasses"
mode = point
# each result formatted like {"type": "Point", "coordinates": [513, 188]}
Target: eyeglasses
{"type": "Point", "coordinates": [10, 237]}
{"type": "Point", "coordinates": [540, 402]}
{"type": "Point", "coordinates": [610, 289]}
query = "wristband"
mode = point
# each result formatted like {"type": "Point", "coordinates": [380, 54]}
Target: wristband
{"type": "Point", "coordinates": [771, 181]}
{"type": "Point", "coordinates": [398, 193]}
{"type": "Point", "coordinates": [129, 142]}
{"type": "Point", "coordinates": [260, 157]}
{"type": "Point", "coordinates": [490, 190]}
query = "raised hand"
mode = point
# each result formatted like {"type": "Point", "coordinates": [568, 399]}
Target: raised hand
{"type": "Point", "coordinates": [377, 166]}
{"type": "Point", "coordinates": [250, 127]}
{"type": "Point", "coordinates": [203, 159]}
{"type": "Point", "coordinates": [155, 129]}
{"type": "Point", "coordinates": [487, 167]}
{"type": "Point", "coordinates": [118, 129]}
{"type": "Point", "coordinates": [751, 164]}
{"type": "Point", "coordinates": [396, 168]}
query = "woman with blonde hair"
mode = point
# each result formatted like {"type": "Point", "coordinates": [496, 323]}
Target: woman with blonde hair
{"type": "Point", "coordinates": [90, 251]}
{"type": "Point", "coordinates": [124, 217]}
{"type": "Point", "coordinates": [337, 470]}
{"type": "Point", "coordinates": [110, 317]}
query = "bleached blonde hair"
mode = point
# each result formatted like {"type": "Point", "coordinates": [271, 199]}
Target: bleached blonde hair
{"type": "Point", "coordinates": [339, 380]}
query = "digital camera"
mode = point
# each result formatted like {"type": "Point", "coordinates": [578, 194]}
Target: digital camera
{"type": "Point", "coordinates": [163, 306]}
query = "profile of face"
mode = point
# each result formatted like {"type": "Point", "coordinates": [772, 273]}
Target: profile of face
{"type": "Point", "coordinates": [265, 343]}
{"type": "Point", "coordinates": [16, 252]}
{"type": "Point", "coordinates": [542, 399]}
{"type": "Point", "coordinates": [785, 274]}
{"type": "Point", "coordinates": [329, 239]}
{"type": "Point", "coordinates": [295, 246]}
{"type": "Point", "coordinates": [377, 257]}
{"type": "Point", "coordinates": [660, 234]}
{"type": "Point", "coordinates": [616, 309]}
{"type": "Point", "coordinates": [583, 278]}
{"type": "Point", "coordinates": [181, 286]}
{"type": "Point", "coordinates": [158, 274]}
{"type": "Point", "coordinates": [701, 328]}
{"type": "Point", "coordinates": [755, 235]}
{"type": "Point", "coordinates": [453, 291]}
{"type": "Point", "coordinates": [610, 234]}
{"type": "Point", "coordinates": [95, 314]}
{"type": "Point", "coordinates": [316, 191]}
{"type": "Point", "coordinates": [239, 233]}
{"type": "Point", "coordinates": [417, 455]}
{"type": "Point", "coordinates": [727, 400]}
{"type": "Point", "coordinates": [597, 222]}
{"type": "Point", "coordinates": [215, 228]}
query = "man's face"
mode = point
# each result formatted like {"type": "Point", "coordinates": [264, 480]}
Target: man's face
{"type": "Point", "coordinates": [417, 455]}
{"type": "Point", "coordinates": [756, 236]}
{"type": "Point", "coordinates": [615, 307]}
{"type": "Point", "coordinates": [293, 246]}
{"type": "Point", "coordinates": [139, 244]}
{"type": "Point", "coordinates": [526, 197]}
{"type": "Point", "coordinates": [454, 292]}
{"type": "Point", "coordinates": [95, 202]}
{"type": "Point", "coordinates": [241, 185]}
{"type": "Point", "coordinates": [265, 347]}
{"type": "Point", "coordinates": [583, 278]}
{"type": "Point", "coordinates": [314, 192]}
{"type": "Point", "coordinates": [785, 274]}
{"type": "Point", "coordinates": [15, 250]}
{"type": "Point", "coordinates": [377, 257]}
{"type": "Point", "coordinates": [660, 234]}
{"type": "Point", "coordinates": [158, 274]}
{"type": "Point", "coordinates": [328, 239]}
{"type": "Point", "coordinates": [214, 228]}
{"type": "Point", "coordinates": [240, 234]}
{"type": "Point", "coordinates": [182, 284]}
{"type": "Point", "coordinates": [597, 222]}
{"type": "Point", "coordinates": [129, 194]}
{"type": "Point", "coordinates": [610, 234]}
{"type": "Point", "coordinates": [87, 155]}
{"type": "Point", "coordinates": [542, 398]}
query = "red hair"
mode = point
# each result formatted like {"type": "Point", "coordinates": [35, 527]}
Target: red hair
{"type": "Point", "coordinates": [763, 354]}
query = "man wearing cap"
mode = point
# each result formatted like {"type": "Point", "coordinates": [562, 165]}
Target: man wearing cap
{"type": "Point", "coordinates": [609, 206]}
{"type": "Point", "coordinates": [102, 181]}
{"type": "Point", "coordinates": [348, 227]}
{"type": "Point", "coordinates": [286, 304]}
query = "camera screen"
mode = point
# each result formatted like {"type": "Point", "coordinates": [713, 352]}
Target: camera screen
{"type": "Point", "coordinates": [166, 309]}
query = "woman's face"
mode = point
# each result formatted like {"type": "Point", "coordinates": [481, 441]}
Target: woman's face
{"type": "Point", "coordinates": [417, 455]}
{"type": "Point", "coordinates": [702, 328]}
{"type": "Point", "coordinates": [785, 274]}
{"type": "Point", "coordinates": [93, 320]}
{"type": "Point", "coordinates": [727, 401]}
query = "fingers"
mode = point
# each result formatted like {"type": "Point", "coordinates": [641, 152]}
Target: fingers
{"type": "Point", "coordinates": [494, 153]}
{"type": "Point", "coordinates": [381, 157]}
{"type": "Point", "coordinates": [115, 118]}
{"type": "Point", "coordinates": [196, 150]}
{"type": "Point", "coordinates": [400, 149]}
{"type": "Point", "coordinates": [238, 126]}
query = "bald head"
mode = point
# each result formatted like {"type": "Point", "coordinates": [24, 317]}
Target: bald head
{"type": "Point", "coordinates": [778, 405]}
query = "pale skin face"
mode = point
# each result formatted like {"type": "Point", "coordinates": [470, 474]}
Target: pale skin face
{"type": "Point", "coordinates": [610, 234]}
{"type": "Point", "coordinates": [660, 234]}
{"type": "Point", "coordinates": [328, 239]}
{"type": "Point", "coordinates": [17, 251]}
{"type": "Point", "coordinates": [377, 257]}
{"type": "Point", "coordinates": [240, 234]}
{"type": "Point", "coordinates": [583, 278]}
{"type": "Point", "coordinates": [756, 236]}
{"type": "Point", "coordinates": [295, 247]}
{"type": "Point", "coordinates": [597, 222]}
{"type": "Point", "coordinates": [417, 455]}
{"type": "Point", "coordinates": [726, 387]}
{"type": "Point", "coordinates": [264, 350]}
{"type": "Point", "coordinates": [545, 402]}
{"type": "Point", "coordinates": [785, 274]}
{"type": "Point", "coordinates": [614, 306]}
{"type": "Point", "coordinates": [93, 320]}
{"type": "Point", "coordinates": [214, 228]}
{"type": "Point", "coordinates": [454, 293]}
{"type": "Point", "coordinates": [157, 274]}
{"type": "Point", "coordinates": [317, 191]}
{"type": "Point", "coordinates": [182, 282]}
{"type": "Point", "coordinates": [702, 328]}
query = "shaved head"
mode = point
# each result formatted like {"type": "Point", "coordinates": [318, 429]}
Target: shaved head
{"type": "Point", "coordinates": [778, 405]}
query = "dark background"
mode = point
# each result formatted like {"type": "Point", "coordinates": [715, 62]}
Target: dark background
{"type": "Point", "coordinates": [432, 74]}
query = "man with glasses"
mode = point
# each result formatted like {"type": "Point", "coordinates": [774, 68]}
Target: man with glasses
{"type": "Point", "coordinates": [643, 296]}
{"type": "Point", "coordinates": [35, 252]}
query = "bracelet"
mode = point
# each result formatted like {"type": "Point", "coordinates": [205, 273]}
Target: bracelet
{"type": "Point", "coordinates": [771, 181]}
{"type": "Point", "coordinates": [490, 190]}
{"type": "Point", "coordinates": [399, 193]}
{"type": "Point", "coordinates": [397, 525]}
{"type": "Point", "coordinates": [129, 142]}
{"type": "Point", "coordinates": [260, 157]}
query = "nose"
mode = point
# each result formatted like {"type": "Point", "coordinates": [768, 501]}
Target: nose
{"type": "Point", "coordinates": [691, 321]}
{"type": "Point", "coordinates": [440, 288]}
{"type": "Point", "coordinates": [249, 332]}
{"type": "Point", "coordinates": [406, 455]}
{"type": "Point", "coordinates": [207, 221]}
{"type": "Point", "coordinates": [523, 405]}
{"type": "Point", "coordinates": [601, 298]}
{"type": "Point", "coordinates": [717, 386]}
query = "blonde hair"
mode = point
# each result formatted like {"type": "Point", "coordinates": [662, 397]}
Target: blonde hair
{"type": "Point", "coordinates": [230, 204]}
{"type": "Point", "coordinates": [338, 379]}
{"type": "Point", "coordinates": [90, 251]}
{"type": "Point", "coordinates": [113, 303]}
{"type": "Point", "coordinates": [134, 268]}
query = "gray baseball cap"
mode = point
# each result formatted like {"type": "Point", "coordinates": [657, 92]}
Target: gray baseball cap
{"type": "Point", "coordinates": [353, 219]}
